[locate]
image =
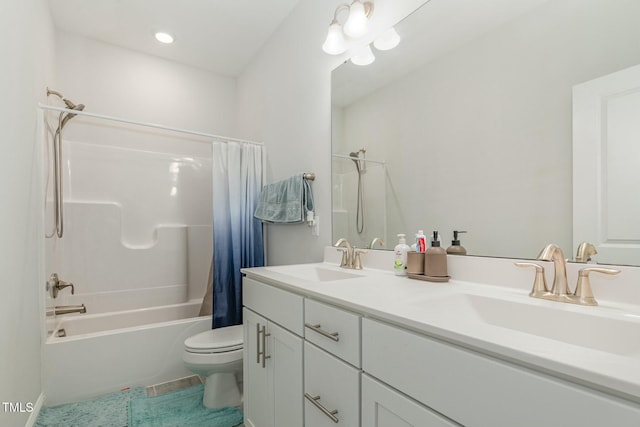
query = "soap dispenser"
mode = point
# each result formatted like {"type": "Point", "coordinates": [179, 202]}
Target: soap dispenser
{"type": "Point", "coordinates": [435, 262]}
{"type": "Point", "coordinates": [456, 248]}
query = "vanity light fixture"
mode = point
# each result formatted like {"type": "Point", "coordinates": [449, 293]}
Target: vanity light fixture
{"type": "Point", "coordinates": [355, 26]}
{"type": "Point", "coordinates": [165, 38]}
{"type": "Point", "coordinates": [387, 40]}
{"type": "Point", "coordinates": [363, 55]}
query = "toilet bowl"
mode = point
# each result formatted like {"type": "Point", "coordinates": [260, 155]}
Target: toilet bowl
{"type": "Point", "coordinates": [217, 355]}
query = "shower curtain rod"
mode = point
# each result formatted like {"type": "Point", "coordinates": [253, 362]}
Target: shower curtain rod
{"type": "Point", "coordinates": [340, 156]}
{"type": "Point", "coordinates": [145, 124]}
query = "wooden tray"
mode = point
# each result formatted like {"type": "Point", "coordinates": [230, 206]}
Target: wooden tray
{"type": "Point", "coordinates": [429, 278]}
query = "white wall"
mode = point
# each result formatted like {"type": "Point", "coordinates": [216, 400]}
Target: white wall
{"type": "Point", "coordinates": [482, 137]}
{"type": "Point", "coordinates": [284, 99]}
{"type": "Point", "coordinates": [26, 48]}
{"type": "Point", "coordinates": [120, 82]}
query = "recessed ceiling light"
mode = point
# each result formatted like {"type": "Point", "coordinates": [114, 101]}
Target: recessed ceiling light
{"type": "Point", "coordinates": [164, 37]}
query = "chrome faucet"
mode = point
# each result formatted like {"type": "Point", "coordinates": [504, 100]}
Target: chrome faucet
{"type": "Point", "coordinates": [347, 254]}
{"type": "Point", "coordinates": [350, 255]}
{"type": "Point", "coordinates": [560, 288]}
{"type": "Point", "coordinates": [585, 251]}
{"type": "Point", "coordinates": [55, 285]}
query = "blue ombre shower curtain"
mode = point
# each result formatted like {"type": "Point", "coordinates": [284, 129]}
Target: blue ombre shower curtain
{"type": "Point", "coordinates": [237, 235]}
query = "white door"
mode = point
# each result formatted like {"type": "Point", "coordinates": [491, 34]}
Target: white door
{"type": "Point", "coordinates": [606, 166]}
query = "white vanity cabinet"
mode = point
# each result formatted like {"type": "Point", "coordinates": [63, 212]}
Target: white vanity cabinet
{"type": "Point", "coordinates": [273, 356]}
{"type": "Point", "coordinates": [477, 390]}
{"type": "Point", "coordinates": [331, 366]}
{"type": "Point", "coordinates": [385, 407]}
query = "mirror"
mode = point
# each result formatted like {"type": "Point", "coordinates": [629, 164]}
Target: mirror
{"type": "Point", "coordinates": [467, 124]}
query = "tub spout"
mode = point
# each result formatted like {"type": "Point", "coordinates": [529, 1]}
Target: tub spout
{"type": "Point", "coordinates": [68, 309]}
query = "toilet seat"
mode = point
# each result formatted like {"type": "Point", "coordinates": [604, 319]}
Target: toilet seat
{"type": "Point", "coordinates": [221, 340]}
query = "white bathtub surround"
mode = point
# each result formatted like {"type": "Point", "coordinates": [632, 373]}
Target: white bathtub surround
{"type": "Point", "coordinates": [110, 351]}
{"type": "Point", "coordinates": [486, 307]}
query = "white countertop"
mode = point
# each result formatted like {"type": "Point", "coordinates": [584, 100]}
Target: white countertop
{"type": "Point", "coordinates": [439, 310]}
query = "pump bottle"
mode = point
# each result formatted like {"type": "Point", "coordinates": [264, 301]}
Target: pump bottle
{"type": "Point", "coordinates": [456, 248]}
{"type": "Point", "coordinates": [435, 261]}
{"type": "Point", "coordinates": [401, 249]}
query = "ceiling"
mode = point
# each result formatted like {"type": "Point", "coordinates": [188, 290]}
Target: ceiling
{"type": "Point", "coordinates": [217, 35]}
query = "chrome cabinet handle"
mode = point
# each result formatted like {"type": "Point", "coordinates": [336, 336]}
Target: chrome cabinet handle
{"type": "Point", "coordinates": [264, 346]}
{"type": "Point", "coordinates": [258, 342]}
{"type": "Point", "coordinates": [316, 328]}
{"type": "Point", "coordinates": [327, 412]}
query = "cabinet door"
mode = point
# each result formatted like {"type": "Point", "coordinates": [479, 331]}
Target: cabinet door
{"type": "Point", "coordinates": [332, 390]}
{"type": "Point", "coordinates": [257, 399]}
{"type": "Point", "coordinates": [284, 363]}
{"type": "Point", "coordinates": [384, 407]}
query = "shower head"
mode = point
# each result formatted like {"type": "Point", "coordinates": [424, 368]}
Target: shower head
{"type": "Point", "coordinates": [69, 104]}
{"type": "Point", "coordinates": [69, 116]}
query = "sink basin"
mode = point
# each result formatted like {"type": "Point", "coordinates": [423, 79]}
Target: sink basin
{"type": "Point", "coordinates": [314, 273]}
{"type": "Point", "coordinates": [612, 334]}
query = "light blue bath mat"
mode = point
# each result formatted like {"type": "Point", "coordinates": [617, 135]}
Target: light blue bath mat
{"type": "Point", "coordinates": [109, 410]}
{"type": "Point", "coordinates": [181, 408]}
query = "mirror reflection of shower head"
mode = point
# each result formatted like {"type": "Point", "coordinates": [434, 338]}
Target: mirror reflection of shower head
{"type": "Point", "coordinates": [355, 156]}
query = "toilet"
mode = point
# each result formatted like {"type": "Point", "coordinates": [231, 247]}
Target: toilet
{"type": "Point", "coordinates": [217, 355]}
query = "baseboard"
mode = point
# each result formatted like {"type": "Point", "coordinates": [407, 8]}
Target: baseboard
{"type": "Point", "coordinates": [36, 410]}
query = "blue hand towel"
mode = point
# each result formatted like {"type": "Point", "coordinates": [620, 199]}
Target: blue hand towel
{"type": "Point", "coordinates": [285, 202]}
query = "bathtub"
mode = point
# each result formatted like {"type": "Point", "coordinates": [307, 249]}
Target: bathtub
{"type": "Point", "coordinates": [91, 354]}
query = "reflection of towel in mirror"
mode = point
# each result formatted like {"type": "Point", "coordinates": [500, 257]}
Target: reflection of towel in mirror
{"type": "Point", "coordinates": [285, 202]}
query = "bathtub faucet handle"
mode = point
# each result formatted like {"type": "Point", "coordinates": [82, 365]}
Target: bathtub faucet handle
{"type": "Point", "coordinates": [55, 285]}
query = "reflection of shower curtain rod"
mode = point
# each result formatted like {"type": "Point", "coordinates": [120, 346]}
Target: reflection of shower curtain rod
{"type": "Point", "coordinates": [149, 125]}
{"type": "Point", "coordinates": [341, 156]}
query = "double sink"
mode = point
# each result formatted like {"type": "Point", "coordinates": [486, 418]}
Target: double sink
{"type": "Point", "coordinates": [475, 309]}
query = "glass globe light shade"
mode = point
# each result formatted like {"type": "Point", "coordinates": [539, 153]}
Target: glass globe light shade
{"type": "Point", "coordinates": [387, 40]}
{"type": "Point", "coordinates": [363, 56]}
{"type": "Point", "coordinates": [334, 43]}
{"type": "Point", "coordinates": [356, 25]}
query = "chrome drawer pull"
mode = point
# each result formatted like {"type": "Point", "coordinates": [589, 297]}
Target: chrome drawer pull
{"type": "Point", "coordinates": [316, 328]}
{"type": "Point", "coordinates": [328, 413]}
{"type": "Point", "coordinates": [264, 346]}
{"type": "Point", "coordinates": [258, 342]}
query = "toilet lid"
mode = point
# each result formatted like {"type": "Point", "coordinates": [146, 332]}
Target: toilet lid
{"type": "Point", "coordinates": [219, 340]}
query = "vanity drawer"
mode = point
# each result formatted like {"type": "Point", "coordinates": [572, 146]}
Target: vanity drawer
{"type": "Point", "coordinates": [333, 329]}
{"type": "Point", "coordinates": [334, 386]}
{"type": "Point", "coordinates": [477, 390]}
{"type": "Point", "coordinates": [282, 307]}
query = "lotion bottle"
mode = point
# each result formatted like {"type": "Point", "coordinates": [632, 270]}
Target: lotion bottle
{"type": "Point", "coordinates": [401, 249]}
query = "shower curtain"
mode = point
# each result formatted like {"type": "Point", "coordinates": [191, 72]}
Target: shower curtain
{"type": "Point", "coordinates": [237, 235]}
